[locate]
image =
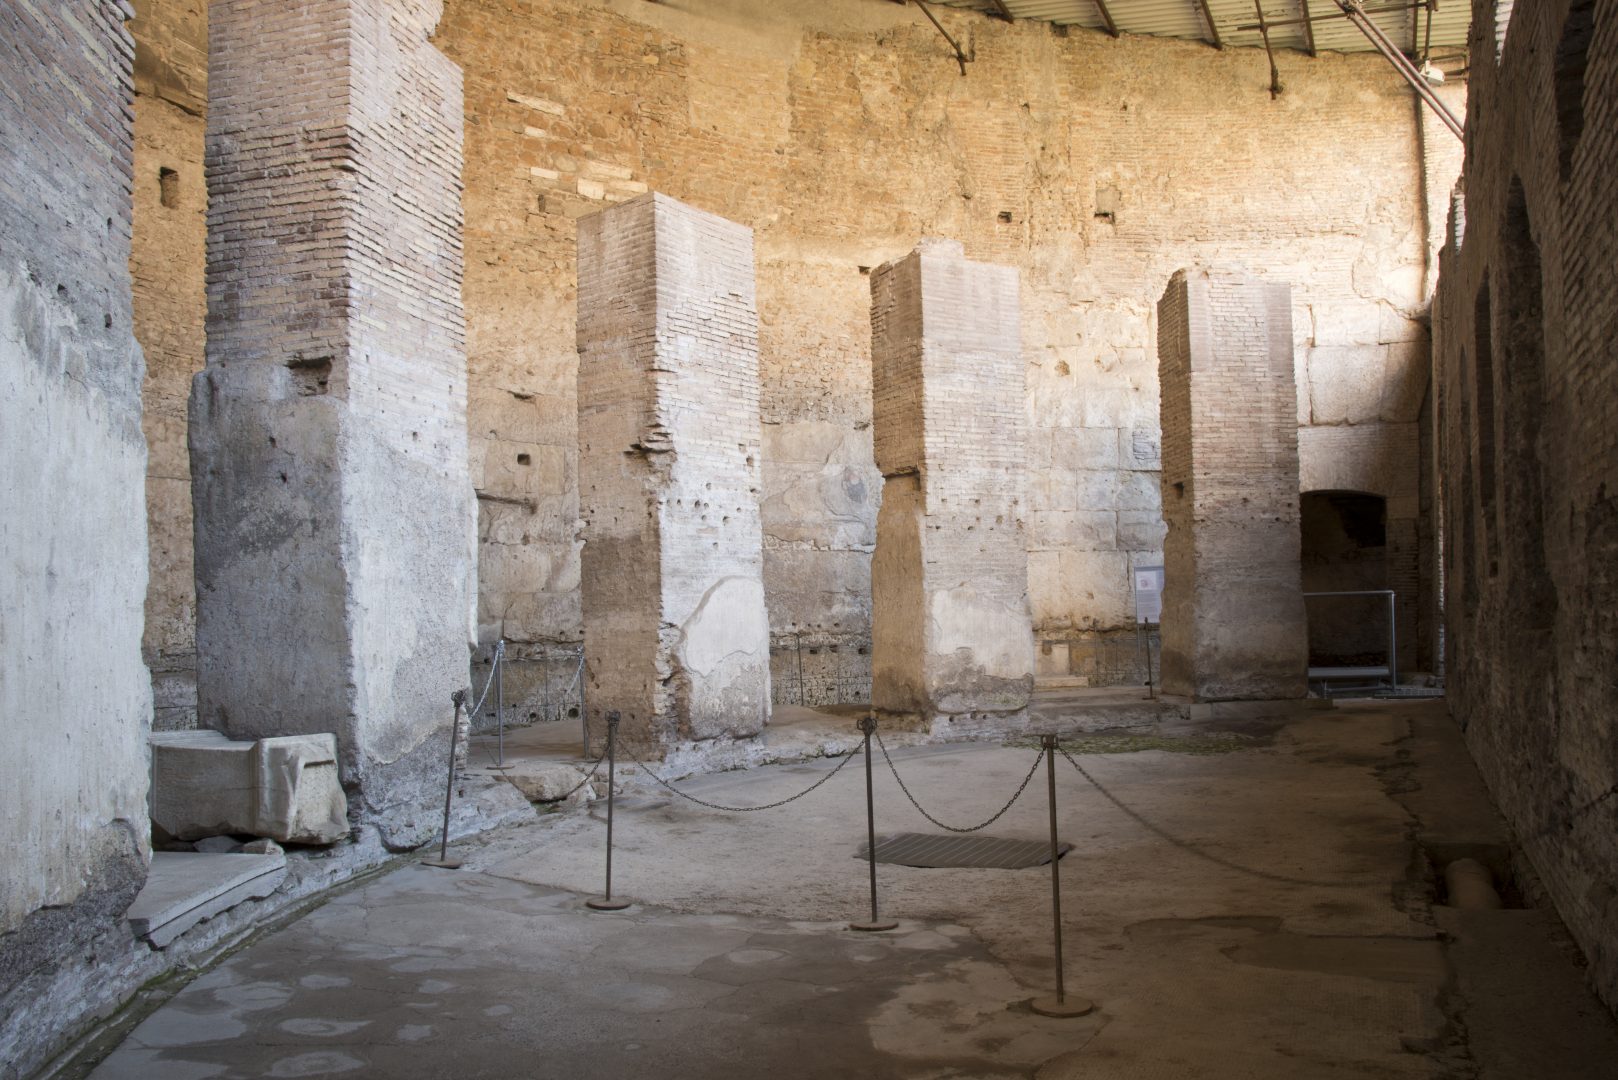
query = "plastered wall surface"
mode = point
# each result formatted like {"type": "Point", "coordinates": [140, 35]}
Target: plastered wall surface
{"type": "Point", "coordinates": [673, 592]}
{"type": "Point", "coordinates": [72, 519]}
{"type": "Point", "coordinates": [327, 432]}
{"type": "Point", "coordinates": [1528, 431]}
{"type": "Point", "coordinates": [841, 133]}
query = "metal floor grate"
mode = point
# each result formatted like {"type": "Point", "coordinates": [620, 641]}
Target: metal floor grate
{"type": "Point", "coordinates": [979, 852]}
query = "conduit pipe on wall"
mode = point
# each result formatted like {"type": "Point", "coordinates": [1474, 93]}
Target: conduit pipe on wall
{"type": "Point", "coordinates": [1355, 11]}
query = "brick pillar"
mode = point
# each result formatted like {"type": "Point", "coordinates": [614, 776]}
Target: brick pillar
{"type": "Point", "coordinates": [675, 634]}
{"type": "Point", "coordinates": [951, 637]}
{"type": "Point", "coordinates": [334, 518]}
{"type": "Point", "coordinates": [1233, 615]}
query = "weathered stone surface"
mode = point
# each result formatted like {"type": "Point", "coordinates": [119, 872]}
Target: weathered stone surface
{"type": "Point", "coordinates": [73, 691]}
{"type": "Point", "coordinates": [676, 636]}
{"type": "Point", "coordinates": [1233, 615]}
{"type": "Point", "coordinates": [546, 784]}
{"type": "Point", "coordinates": [187, 887]}
{"type": "Point", "coordinates": [841, 140]}
{"type": "Point", "coordinates": [285, 788]}
{"type": "Point", "coordinates": [950, 631]}
{"type": "Point", "coordinates": [1527, 425]}
{"type": "Point", "coordinates": [328, 430]}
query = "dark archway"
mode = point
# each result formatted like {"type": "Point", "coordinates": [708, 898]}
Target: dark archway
{"type": "Point", "coordinates": [1345, 549]}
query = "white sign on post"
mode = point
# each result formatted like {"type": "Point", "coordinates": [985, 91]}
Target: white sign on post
{"type": "Point", "coordinates": [1148, 594]}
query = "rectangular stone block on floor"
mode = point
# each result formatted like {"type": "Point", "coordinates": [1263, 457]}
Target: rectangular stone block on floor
{"type": "Point", "coordinates": [952, 635]}
{"type": "Point", "coordinates": [676, 636]}
{"type": "Point", "coordinates": [334, 521]}
{"type": "Point", "coordinates": [1233, 615]}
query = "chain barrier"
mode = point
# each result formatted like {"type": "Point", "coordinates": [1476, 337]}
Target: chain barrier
{"type": "Point", "coordinates": [499, 658]}
{"type": "Point", "coordinates": [998, 814]}
{"type": "Point", "coordinates": [594, 765]}
{"type": "Point", "coordinates": [1192, 849]}
{"type": "Point", "coordinates": [649, 771]}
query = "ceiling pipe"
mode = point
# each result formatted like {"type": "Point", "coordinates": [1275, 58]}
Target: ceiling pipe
{"type": "Point", "coordinates": [1355, 11]}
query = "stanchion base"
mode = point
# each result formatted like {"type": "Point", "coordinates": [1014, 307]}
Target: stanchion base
{"type": "Point", "coordinates": [873, 926]}
{"type": "Point", "coordinates": [602, 904]}
{"type": "Point", "coordinates": [1068, 1007]}
{"type": "Point", "coordinates": [443, 864]}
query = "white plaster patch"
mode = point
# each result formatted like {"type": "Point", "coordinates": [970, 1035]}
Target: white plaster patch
{"type": "Point", "coordinates": [321, 1028]}
{"type": "Point", "coordinates": [319, 1063]}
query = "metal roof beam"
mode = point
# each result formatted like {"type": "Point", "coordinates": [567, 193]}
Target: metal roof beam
{"type": "Point", "coordinates": [998, 9]}
{"type": "Point", "coordinates": [1106, 17]}
{"type": "Point", "coordinates": [1308, 28]}
{"type": "Point", "coordinates": [1264, 31]}
{"type": "Point", "coordinates": [960, 57]}
{"type": "Point", "coordinates": [1213, 28]}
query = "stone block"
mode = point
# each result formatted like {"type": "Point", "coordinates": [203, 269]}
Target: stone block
{"type": "Point", "coordinates": [205, 784]}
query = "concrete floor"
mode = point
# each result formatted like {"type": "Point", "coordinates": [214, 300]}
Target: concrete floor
{"type": "Point", "coordinates": [1281, 923]}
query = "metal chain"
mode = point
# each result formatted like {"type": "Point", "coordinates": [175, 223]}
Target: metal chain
{"type": "Point", "coordinates": [647, 769]}
{"type": "Point", "coordinates": [1193, 849]}
{"type": "Point", "coordinates": [998, 814]}
{"type": "Point", "coordinates": [499, 658]}
{"type": "Point", "coordinates": [587, 778]}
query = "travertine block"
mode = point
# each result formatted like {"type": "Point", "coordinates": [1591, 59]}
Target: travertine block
{"type": "Point", "coordinates": [334, 521]}
{"type": "Point", "coordinates": [951, 630]}
{"type": "Point", "coordinates": [676, 637]}
{"type": "Point", "coordinates": [1233, 615]}
{"type": "Point", "coordinates": [207, 784]}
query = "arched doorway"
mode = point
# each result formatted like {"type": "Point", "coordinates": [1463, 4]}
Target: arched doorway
{"type": "Point", "coordinates": [1345, 550]}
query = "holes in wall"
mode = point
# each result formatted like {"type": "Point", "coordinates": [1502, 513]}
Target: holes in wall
{"type": "Point", "coordinates": [1004, 216]}
{"type": "Point", "coordinates": [311, 376]}
{"type": "Point", "coordinates": [524, 459]}
{"type": "Point", "coordinates": [1483, 401]}
{"type": "Point", "coordinates": [1572, 56]}
{"type": "Point", "coordinates": [168, 187]}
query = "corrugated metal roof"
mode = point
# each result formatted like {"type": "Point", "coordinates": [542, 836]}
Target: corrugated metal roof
{"type": "Point", "coordinates": [1184, 19]}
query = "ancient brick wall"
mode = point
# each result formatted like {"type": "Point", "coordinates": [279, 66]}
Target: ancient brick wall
{"type": "Point", "coordinates": [673, 595]}
{"type": "Point", "coordinates": [170, 227]}
{"type": "Point", "coordinates": [75, 695]}
{"type": "Point", "coordinates": [1528, 448]}
{"type": "Point", "coordinates": [1233, 616]}
{"type": "Point", "coordinates": [950, 628]}
{"type": "Point", "coordinates": [841, 132]}
{"type": "Point", "coordinates": [327, 432]}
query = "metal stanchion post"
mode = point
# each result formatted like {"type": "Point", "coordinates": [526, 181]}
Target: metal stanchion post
{"type": "Point", "coordinates": [500, 700]}
{"type": "Point", "coordinates": [605, 902]}
{"type": "Point", "coordinates": [444, 862]}
{"type": "Point", "coordinates": [867, 725]}
{"type": "Point", "coordinates": [1061, 1005]}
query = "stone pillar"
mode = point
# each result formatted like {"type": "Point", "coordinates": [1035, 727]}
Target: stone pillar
{"type": "Point", "coordinates": [334, 517]}
{"type": "Point", "coordinates": [951, 633]}
{"type": "Point", "coordinates": [75, 701]}
{"type": "Point", "coordinates": [1233, 615]}
{"type": "Point", "coordinates": [675, 633]}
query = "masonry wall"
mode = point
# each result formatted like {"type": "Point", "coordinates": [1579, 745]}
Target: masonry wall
{"type": "Point", "coordinates": [170, 228]}
{"type": "Point", "coordinates": [75, 696]}
{"type": "Point", "coordinates": [327, 432]}
{"type": "Point", "coordinates": [950, 634]}
{"type": "Point", "coordinates": [677, 638]}
{"type": "Point", "coordinates": [1233, 614]}
{"type": "Point", "coordinates": [841, 132]}
{"type": "Point", "coordinates": [1528, 437]}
